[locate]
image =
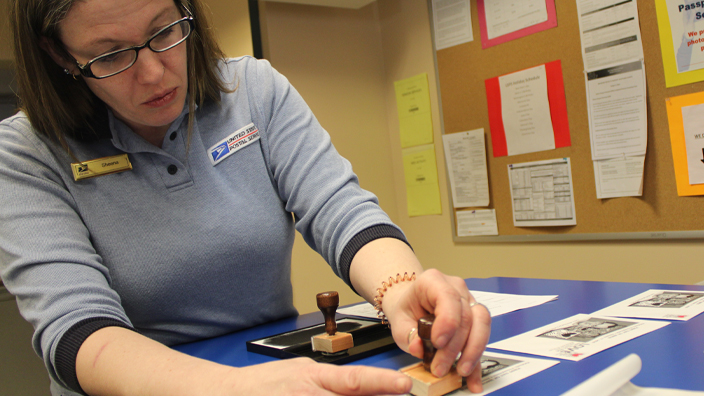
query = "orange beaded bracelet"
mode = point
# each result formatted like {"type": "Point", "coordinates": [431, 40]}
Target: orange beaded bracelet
{"type": "Point", "coordinates": [384, 287]}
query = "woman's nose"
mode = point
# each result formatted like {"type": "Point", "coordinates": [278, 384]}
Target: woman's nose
{"type": "Point", "coordinates": [149, 67]}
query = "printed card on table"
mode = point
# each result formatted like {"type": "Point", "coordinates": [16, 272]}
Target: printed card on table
{"type": "Point", "coordinates": [659, 304]}
{"type": "Point", "coordinates": [500, 370]}
{"type": "Point", "coordinates": [578, 337]}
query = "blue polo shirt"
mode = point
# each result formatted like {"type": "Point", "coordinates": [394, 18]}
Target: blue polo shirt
{"type": "Point", "coordinates": [195, 241]}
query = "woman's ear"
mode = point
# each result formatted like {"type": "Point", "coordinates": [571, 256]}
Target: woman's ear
{"type": "Point", "coordinates": [49, 46]}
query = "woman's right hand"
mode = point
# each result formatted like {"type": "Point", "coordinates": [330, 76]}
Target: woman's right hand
{"type": "Point", "coordinates": [117, 361]}
{"type": "Point", "coordinates": [303, 376]}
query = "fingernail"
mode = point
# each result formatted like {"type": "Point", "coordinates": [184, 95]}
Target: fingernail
{"type": "Point", "coordinates": [478, 387]}
{"type": "Point", "coordinates": [403, 384]}
{"type": "Point", "coordinates": [465, 369]}
{"type": "Point", "coordinates": [442, 340]}
{"type": "Point", "coordinates": [441, 369]}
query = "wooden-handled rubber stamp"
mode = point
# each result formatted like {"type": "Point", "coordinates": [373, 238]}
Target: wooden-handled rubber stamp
{"type": "Point", "coordinates": [424, 382]}
{"type": "Point", "coordinates": [332, 341]}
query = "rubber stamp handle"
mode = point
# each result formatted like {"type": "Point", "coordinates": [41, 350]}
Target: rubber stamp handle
{"type": "Point", "coordinates": [425, 326]}
{"type": "Point", "coordinates": [328, 303]}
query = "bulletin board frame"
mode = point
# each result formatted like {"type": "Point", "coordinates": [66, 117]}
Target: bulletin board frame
{"type": "Point", "coordinates": [659, 214]}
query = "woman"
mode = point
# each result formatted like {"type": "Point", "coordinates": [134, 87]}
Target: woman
{"type": "Point", "coordinates": [183, 227]}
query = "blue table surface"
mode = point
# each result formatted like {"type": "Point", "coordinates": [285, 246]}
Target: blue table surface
{"type": "Point", "coordinates": [673, 356]}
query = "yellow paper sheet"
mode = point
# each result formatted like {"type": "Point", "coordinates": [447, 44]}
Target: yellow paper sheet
{"type": "Point", "coordinates": [421, 174]}
{"type": "Point", "coordinates": [679, 148]}
{"type": "Point", "coordinates": [672, 77]}
{"type": "Point", "coordinates": [413, 105]}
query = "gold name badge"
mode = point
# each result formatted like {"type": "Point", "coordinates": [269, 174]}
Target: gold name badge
{"type": "Point", "coordinates": [100, 167]}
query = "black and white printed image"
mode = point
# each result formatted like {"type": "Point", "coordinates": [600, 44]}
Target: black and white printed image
{"type": "Point", "coordinates": [586, 330]}
{"type": "Point", "coordinates": [494, 364]}
{"type": "Point", "coordinates": [668, 300]}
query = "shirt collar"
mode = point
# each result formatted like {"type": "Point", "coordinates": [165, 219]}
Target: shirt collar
{"type": "Point", "coordinates": [128, 141]}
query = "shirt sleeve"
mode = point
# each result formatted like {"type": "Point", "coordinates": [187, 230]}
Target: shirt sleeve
{"type": "Point", "coordinates": [46, 257]}
{"type": "Point", "coordinates": [332, 212]}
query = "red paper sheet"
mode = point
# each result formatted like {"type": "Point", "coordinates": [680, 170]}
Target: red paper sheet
{"type": "Point", "coordinates": [558, 109]}
{"type": "Point", "coordinates": [486, 43]}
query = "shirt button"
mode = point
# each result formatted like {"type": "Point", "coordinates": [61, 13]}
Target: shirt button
{"type": "Point", "coordinates": [172, 136]}
{"type": "Point", "coordinates": [172, 169]}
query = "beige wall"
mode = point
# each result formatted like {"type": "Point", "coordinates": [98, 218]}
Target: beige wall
{"type": "Point", "coordinates": [322, 49]}
{"type": "Point", "coordinates": [230, 19]}
{"type": "Point", "coordinates": [334, 58]}
{"type": "Point", "coordinates": [22, 372]}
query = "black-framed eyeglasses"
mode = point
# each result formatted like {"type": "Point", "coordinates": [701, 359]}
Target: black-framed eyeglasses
{"type": "Point", "coordinates": [107, 65]}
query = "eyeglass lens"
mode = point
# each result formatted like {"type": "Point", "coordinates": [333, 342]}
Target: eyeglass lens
{"type": "Point", "coordinates": [116, 62]}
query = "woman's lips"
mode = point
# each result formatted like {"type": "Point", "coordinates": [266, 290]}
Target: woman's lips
{"type": "Point", "coordinates": [160, 100]}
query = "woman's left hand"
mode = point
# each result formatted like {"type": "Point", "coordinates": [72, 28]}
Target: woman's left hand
{"type": "Point", "coordinates": [461, 325]}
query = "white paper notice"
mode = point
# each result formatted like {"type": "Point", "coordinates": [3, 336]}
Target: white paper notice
{"type": "Point", "coordinates": [502, 303]}
{"type": "Point", "coordinates": [500, 370]}
{"type": "Point", "coordinates": [687, 29]}
{"type": "Point", "coordinates": [496, 303]}
{"type": "Point", "coordinates": [659, 304]}
{"type": "Point", "coordinates": [507, 16]}
{"type": "Point", "coordinates": [477, 222]}
{"type": "Point", "coordinates": [542, 193]}
{"type": "Point", "coordinates": [465, 156]}
{"type": "Point", "coordinates": [617, 111]}
{"type": "Point", "coordinates": [693, 123]}
{"type": "Point", "coordinates": [364, 310]}
{"type": "Point", "coordinates": [615, 381]}
{"type": "Point", "coordinates": [619, 177]}
{"type": "Point", "coordinates": [525, 111]}
{"type": "Point", "coordinates": [610, 32]}
{"type": "Point", "coordinates": [578, 337]}
{"type": "Point", "coordinates": [452, 20]}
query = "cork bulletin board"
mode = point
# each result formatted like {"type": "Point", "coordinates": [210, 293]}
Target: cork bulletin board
{"type": "Point", "coordinates": [658, 214]}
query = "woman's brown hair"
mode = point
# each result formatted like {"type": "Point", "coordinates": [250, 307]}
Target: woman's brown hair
{"type": "Point", "coordinates": [59, 106]}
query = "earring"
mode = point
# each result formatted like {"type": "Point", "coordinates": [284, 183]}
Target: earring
{"type": "Point", "coordinates": [71, 74]}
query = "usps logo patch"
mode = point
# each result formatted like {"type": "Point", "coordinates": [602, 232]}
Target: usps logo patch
{"type": "Point", "coordinates": [220, 151]}
{"type": "Point", "coordinates": [231, 144]}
